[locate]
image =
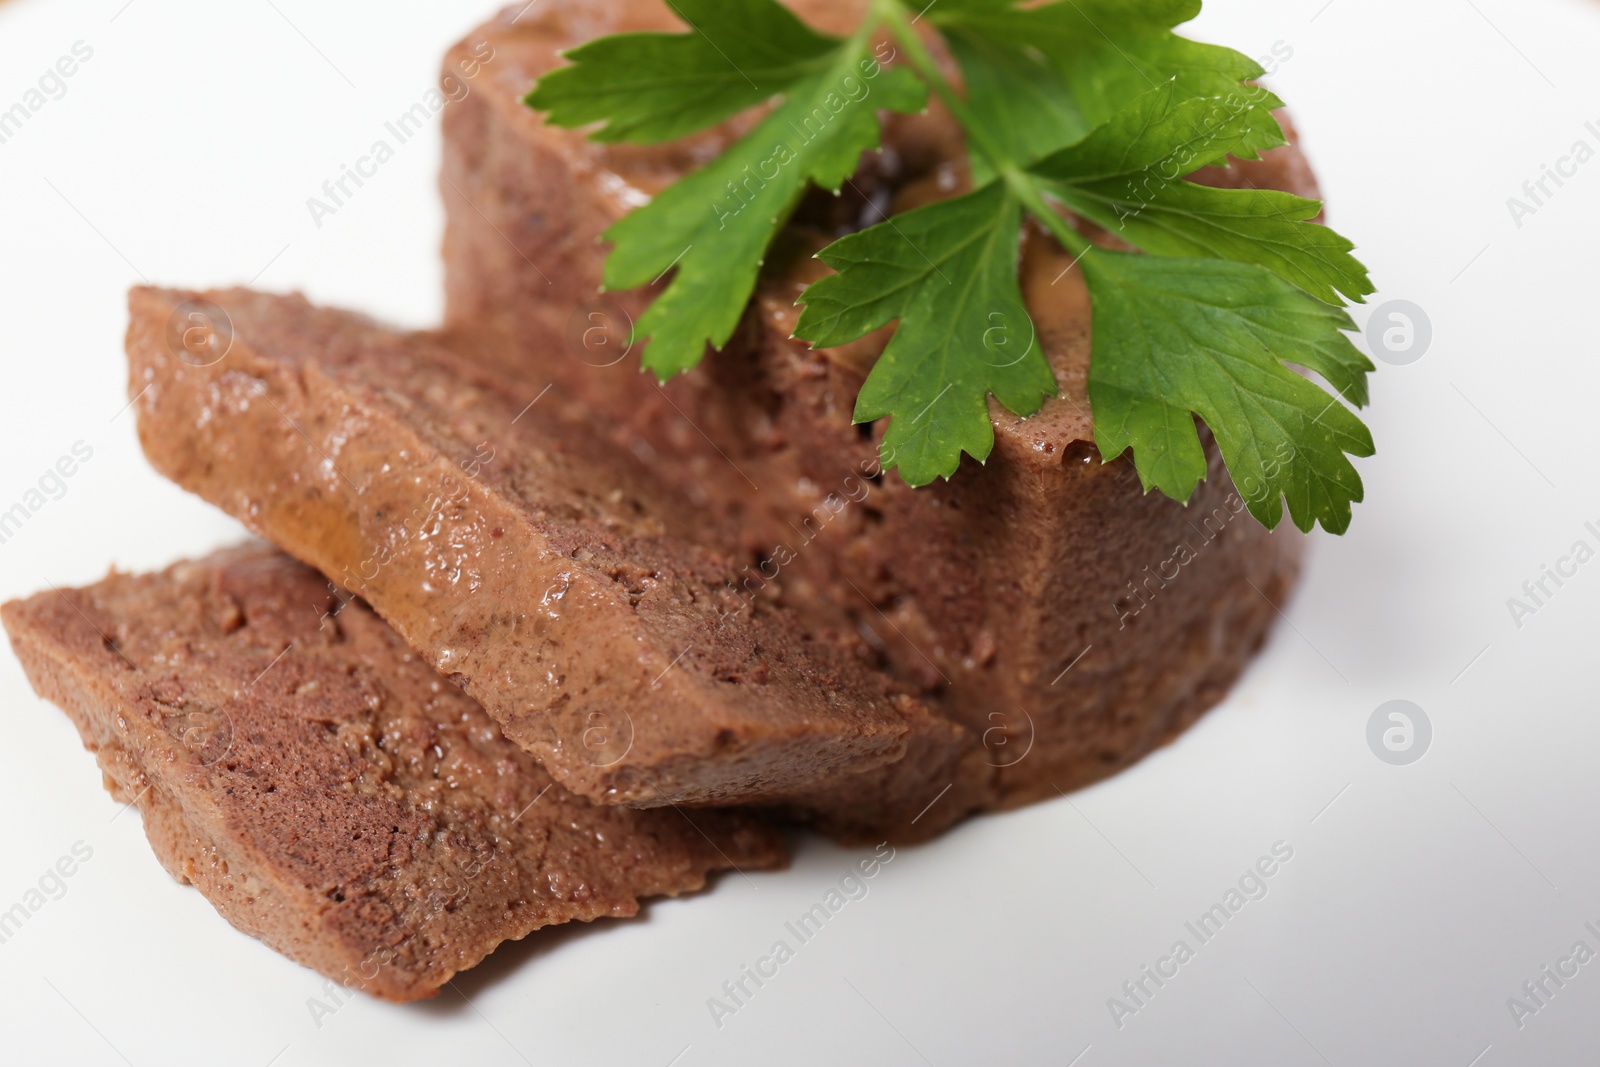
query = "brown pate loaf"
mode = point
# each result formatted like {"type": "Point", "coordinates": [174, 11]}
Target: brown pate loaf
{"type": "Point", "coordinates": [552, 575]}
{"type": "Point", "coordinates": [1072, 621]}
{"type": "Point", "coordinates": [326, 790]}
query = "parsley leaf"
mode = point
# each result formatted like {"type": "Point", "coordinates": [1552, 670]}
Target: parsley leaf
{"type": "Point", "coordinates": [714, 226]}
{"type": "Point", "coordinates": [711, 230]}
{"type": "Point", "coordinates": [948, 272]}
{"type": "Point", "coordinates": [1093, 105]}
{"type": "Point", "coordinates": [1126, 176]}
{"type": "Point", "coordinates": [653, 87]}
{"type": "Point", "coordinates": [1174, 338]}
{"type": "Point", "coordinates": [1105, 52]}
{"type": "Point", "coordinates": [1022, 100]}
{"type": "Point", "coordinates": [1164, 128]}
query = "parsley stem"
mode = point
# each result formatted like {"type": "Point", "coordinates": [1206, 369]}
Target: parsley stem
{"type": "Point", "coordinates": [1025, 189]}
{"type": "Point", "coordinates": [891, 12]}
{"type": "Point", "coordinates": [1022, 185]}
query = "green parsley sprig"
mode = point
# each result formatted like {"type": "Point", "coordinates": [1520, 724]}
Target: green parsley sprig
{"type": "Point", "coordinates": [1093, 107]}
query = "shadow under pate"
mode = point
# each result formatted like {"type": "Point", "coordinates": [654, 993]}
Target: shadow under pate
{"type": "Point", "coordinates": [809, 854]}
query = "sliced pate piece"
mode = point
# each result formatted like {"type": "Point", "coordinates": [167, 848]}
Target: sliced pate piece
{"type": "Point", "coordinates": [548, 571]}
{"type": "Point", "coordinates": [328, 791]}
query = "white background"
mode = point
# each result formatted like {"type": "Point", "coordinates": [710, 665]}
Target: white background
{"type": "Point", "coordinates": [1416, 903]}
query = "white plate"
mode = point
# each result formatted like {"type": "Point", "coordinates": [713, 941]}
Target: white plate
{"type": "Point", "coordinates": [1418, 899]}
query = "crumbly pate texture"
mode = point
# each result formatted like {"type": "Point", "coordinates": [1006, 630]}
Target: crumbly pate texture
{"type": "Point", "coordinates": [551, 573]}
{"type": "Point", "coordinates": [328, 791]}
{"type": "Point", "coordinates": [1071, 621]}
